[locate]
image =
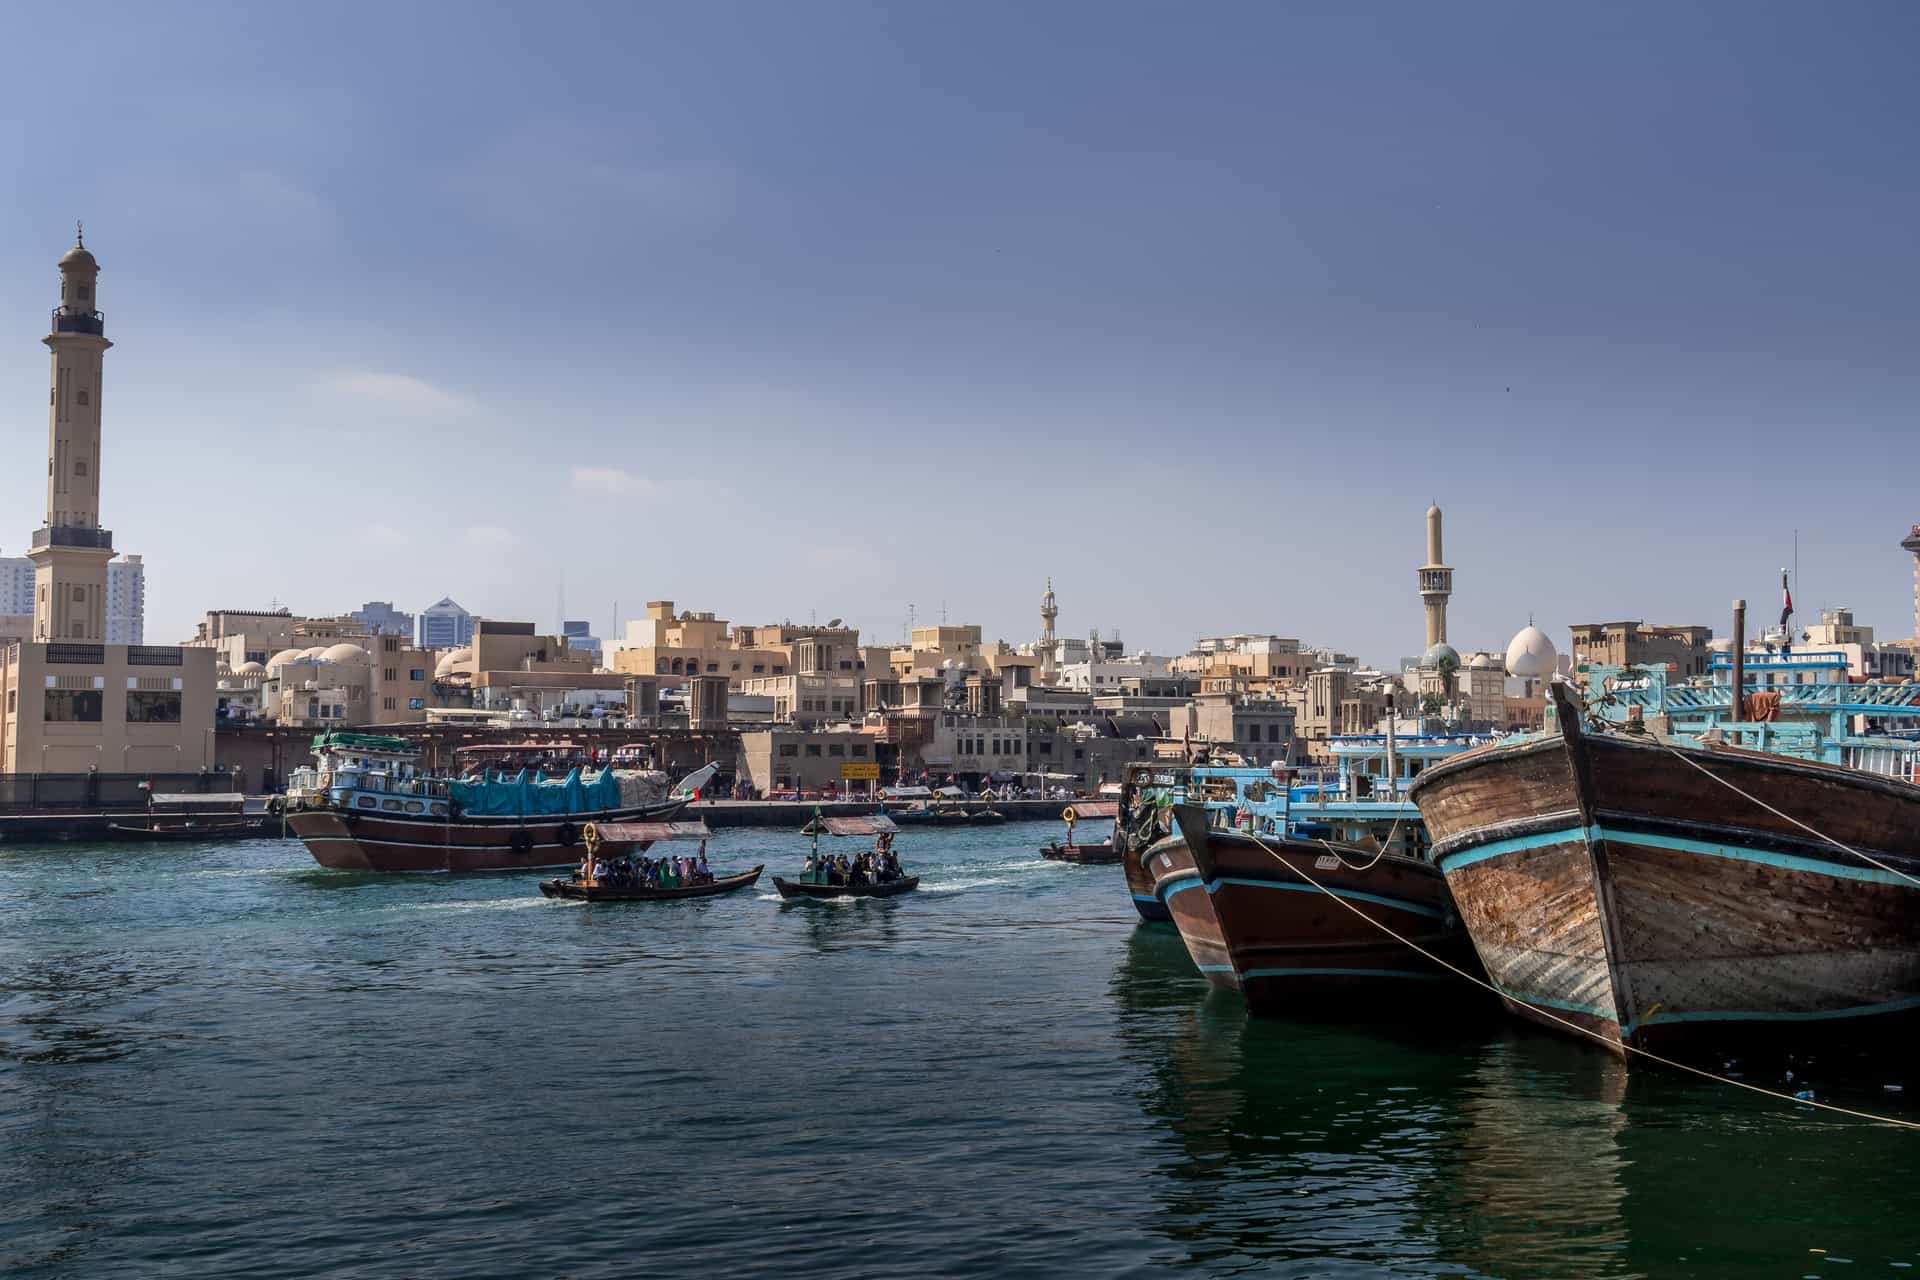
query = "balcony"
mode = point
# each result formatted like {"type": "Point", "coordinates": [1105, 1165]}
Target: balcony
{"type": "Point", "coordinates": [69, 536]}
{"type": "Point", "coordinates": [93, 322]}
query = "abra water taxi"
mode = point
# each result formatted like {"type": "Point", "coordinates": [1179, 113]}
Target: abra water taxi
{"type": "Point", "coordinates": [365, 804]}
{"type": "Point", "coordinates": [828, 881]}
{"type": "Point", "coordinates": [621, 840]}
{"type": "Point", "coordinates": [1102, 852]}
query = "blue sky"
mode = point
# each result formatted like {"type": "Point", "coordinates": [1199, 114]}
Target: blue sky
{"type": "Point", "coordinates": [825, 308]}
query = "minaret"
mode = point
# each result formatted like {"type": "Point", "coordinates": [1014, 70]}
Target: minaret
{"type": "Point", "coordinates": [1912, 543]}
{"type": "Point", "coordinates": [71, 551]}
{"type": "Point", "coordinates": [1436, 582]}
{"type": "Point", "coordinates": [1049, 610]}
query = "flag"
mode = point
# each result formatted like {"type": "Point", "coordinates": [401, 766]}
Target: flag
{"type": "Point", "coordinates": [1786, 599]}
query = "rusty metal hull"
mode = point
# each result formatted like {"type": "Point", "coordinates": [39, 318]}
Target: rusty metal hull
{"type": "Point", "coordinates": [1255, 922]}
{"type": "Point", "coordinates": [1609, 883]}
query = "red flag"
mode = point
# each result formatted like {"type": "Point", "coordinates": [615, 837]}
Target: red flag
{"type": "Point", "coordinates": [1786, 599]}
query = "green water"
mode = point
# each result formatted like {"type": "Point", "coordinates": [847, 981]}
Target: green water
{"type": "Point", "coordinates": [226, 1061]}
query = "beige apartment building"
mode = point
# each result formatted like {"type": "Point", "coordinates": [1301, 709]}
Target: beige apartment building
{"type": "Point", "coordinates": [782, 758]}
{"type": "Point", "coordinates": [76, 705]}
{"type": "Point", "coordinates": [688, 644]}
{"type": "Point", "coordinates": [1640, 644]}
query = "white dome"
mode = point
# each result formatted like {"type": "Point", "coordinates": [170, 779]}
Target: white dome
{"type": "Point", "coordinates": [318, 651]}
{"type": "Point", "coordinates": [285, 656]}
{"type": "Point", "coordinates": [449, 660]}
{"type": "Point", "coordinates": [249, 669]}
{"type": "Point", "coordinates": [344, 652]}
{"type": "Point", "coordinates": [1531, 655]}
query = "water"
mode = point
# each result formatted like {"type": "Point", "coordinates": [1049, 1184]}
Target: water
{"type": "Point", "coordinates": [225, 1061]}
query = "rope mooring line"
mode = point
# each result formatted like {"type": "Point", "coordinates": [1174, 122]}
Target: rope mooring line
{"type": "Point", "coordinates": [1576, 1027]}
{"type": "Point", "coordinates": [1787, 817]}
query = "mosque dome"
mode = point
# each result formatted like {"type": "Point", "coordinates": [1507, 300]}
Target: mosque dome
{"type": "Point", "coordinates": [1531, 655]}
{"type": "Point", "coordinates": [249, 669]}
{"type": "Point", "coordinates": [1442, 657]}
{"type": "Point", "coordinates": [1480, 662]}
{"type": "Point", "coordinates": [78, 258]}
{"type": "Point", "coordinates": [283, 657]}
{"type": "Point", "coordinates": [344, 652]}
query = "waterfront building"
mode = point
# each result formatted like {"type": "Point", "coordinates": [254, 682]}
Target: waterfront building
{"type": "Point", "coordinates": [665, 643]}
{"type": "Point", "coordinates": [381, 619]}
{"type": "Point", "coordinates": [445, 625]}
{"type": "Point", "coordinates": [16, 598]}
{"type": "Point", "coordinates": [1104, 675]}
{"type": "Point", "coordinates": [1623, 644]}
{"type": "Point", "coordinates": [1267, 657]}
{"type": "Point", "coordinates": [785, 758]}
{"type": "Point", "coordinates": [336, 674]}
{"type": "Point", "coordinates": [1259, 730]}
{"type": "Point", "coordinates": [73, 699]}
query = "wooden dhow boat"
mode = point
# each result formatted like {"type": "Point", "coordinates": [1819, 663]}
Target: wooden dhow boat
{"type": "Point", "coordinates": [1670, 893]}
{"type": "Point", "coordinates": [1140, 819]}
{"type": "Point", "coordinates": [878, 825]}
{"type": "Point", "coordinates": [190, 816]}
{"type": "Point", "coordinates": [366, 805]}
{"type": "Point", "coordinates": [1309, 913]}
{"type": "Point", "coordinates": [1084, 854]}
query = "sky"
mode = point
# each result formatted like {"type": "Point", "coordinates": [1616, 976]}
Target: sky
{"type": "Point", "coordinates": [832, 309]}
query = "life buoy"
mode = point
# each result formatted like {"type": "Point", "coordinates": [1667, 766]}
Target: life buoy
{"type": "Point", "coordinates": [568, 834]}
{"type": "Point", "coordinates": [521, 842]}
{"type": "Point", "coordinates": [276, 806]}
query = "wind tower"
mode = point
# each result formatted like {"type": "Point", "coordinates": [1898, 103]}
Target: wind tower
{"type": "Point", "coordinates": [1436, 582]}
{"type": "Point", "coordinates": [1912, 543]}
{"type": "Point", "coordinates": [1049, 610]}
{"type": "Point", "coordinates": [70, 552]}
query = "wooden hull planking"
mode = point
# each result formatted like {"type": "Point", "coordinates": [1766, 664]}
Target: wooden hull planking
{"type": "Point", "coordinates": [1254, 923]}
{"type": "Point", "coordinates": [374, 842]}
{"type": "Point", "coordinates": [611, 893]}
{"type": "Point", "coordinates": [795, 890]}
{"type": "Point", "coordinates": [1610, 884]}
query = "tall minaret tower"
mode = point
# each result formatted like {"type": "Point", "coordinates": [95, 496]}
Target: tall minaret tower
{"type": "Point", "coordinates": [70, 553]}
{"type": "Point", "coordinates": [1436, 582]}
{"type": "Point", "coordinates": [1049, 610]}
{"type": "Point", "coordinates": [1912, 543]}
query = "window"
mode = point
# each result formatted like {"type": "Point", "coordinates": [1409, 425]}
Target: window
{"type": "Point", "coordinates": [79, 594]}
{"type": "Point", "coordinates": [713, 667]}
{"type": "Point", "coordinates": [74, 706]}
{"type": "Point", "coordinates": [417, 673]}
{"type": "Point", "coordinates": [389, 704]}
{"type": "Point", "coordinates": [837, 750]}
{"type": "Point", "coordinates": [79, 468]}
{"type": "Point", "coordinates": [789, 749]}
{"type": "Point", "coordinates": [144, 707]}
{"type": "Point", "coordinates": [734, 667]}
{"type": "Point", "coordinates": [859, 751]}
{"type": "Point", "coordinates": [779, 669]}
{"type": "Point", "coordinates": [813, 748]}
{"type": "Point", "coordinates": [759, 668]}
{"type": "Point", "coordinates": [416, 704]}
{"type": "Point", "coordinates": [389, 674]}
{"type": "Point", "coordinates": [12, 700]}
{"type": "Point", "coordinates": [1079, 753]}
{"type": "Point", "coordinates": [80, 397]}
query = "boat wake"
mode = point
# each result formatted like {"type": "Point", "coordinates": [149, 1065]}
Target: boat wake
{"type": "Point", "coordinates": [956, 886]}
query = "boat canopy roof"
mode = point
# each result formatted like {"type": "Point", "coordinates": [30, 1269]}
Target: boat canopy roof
{"type": "Point", "coordinates": [340, 740]}
{"type": "Point", "coordinates": [634, 832]}
{"type": "Point", "coordinates": [872, 824]}
{"type": "Point", "coordinates": [197, 797]}
{"type": "Point", "coordinates": [1080, 809]}
{"type": "Point", "coordinates": [908, 793]}
{"type": "Point", "coordinates": [508, 747]}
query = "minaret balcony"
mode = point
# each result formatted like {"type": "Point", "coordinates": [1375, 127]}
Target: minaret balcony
{"type": "Point", "coordinates": [68, 536]}
{"type": "Point", "coordinates": [93, 322]}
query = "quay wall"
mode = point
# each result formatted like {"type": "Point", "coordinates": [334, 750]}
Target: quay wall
{"type": "Point", "coordinates": [795, 814]}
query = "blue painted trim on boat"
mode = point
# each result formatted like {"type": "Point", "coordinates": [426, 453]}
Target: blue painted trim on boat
{"type": "Point", "coordinates": [1146, 897]}
{"type": "Point", "coordinates": [1192, 881]}
{"type": "Point", "coordinates": [1678, 844]}
{"type": "Point", "coordinates": [1565, 1006]}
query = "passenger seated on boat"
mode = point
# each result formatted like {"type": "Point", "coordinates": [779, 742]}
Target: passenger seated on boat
{"type": "Point", "coordinates": [807, 869]}
{"type": "Point", "coordinates": [704, 873]}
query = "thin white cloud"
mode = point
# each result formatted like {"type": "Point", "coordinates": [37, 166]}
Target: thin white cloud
{"type": "Point", "coordinates": [489, 535]}
{"type": "Point", "coordinates": [397, 390]}
{"type": "Point", "coordinates": [383, 535]}
{"type": "Point", "coordinates": [609, 480]}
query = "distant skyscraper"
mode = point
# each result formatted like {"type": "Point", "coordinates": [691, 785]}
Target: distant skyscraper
{"type": "Point", "coordinates": [381, 618]}
{"type": "Point", "coordinates": [1912, 543]}
{"type": "Point", "coordinates": [126, 601]}
{"type": "Point", "coordinates": [445, 625]}
{"type": "Point", "coordinates": [579, 636]}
